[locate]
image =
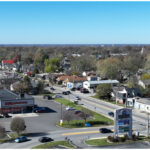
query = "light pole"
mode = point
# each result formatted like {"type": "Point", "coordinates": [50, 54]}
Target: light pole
{"type": "Point", "coordinates": [61, 117]}
{"type": "Point", "coordinates": [148, 125]}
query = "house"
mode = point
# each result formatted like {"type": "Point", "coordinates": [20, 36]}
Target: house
{"type": "Point", "coordinates": [71, 81]}
{"type": "Point", "coordinates": [75, 81]}
{"type": "Point", "coordinates": [142, 104]}
{"type": "Point", "coordinates": [88, 73]}
{"type": "Point", "coordinates": [93, 84]}
{"type": "Point", "coordinates": [65, 64]}
{"type": "Point", "coordinates": [120, 94]}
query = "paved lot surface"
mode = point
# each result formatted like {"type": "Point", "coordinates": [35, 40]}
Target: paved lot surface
{"type": "Point", "coordinates": [41, 122]}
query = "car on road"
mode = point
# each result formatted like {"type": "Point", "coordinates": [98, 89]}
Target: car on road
{"type": "Point", "coordinates": [6, 115]}
{"type": "Point", "coordinates": [79, 88]}
{"type": "Point", "coordinates": [73, 89]}
{"type": "Point", "coordinates": [68, 92]}
{"type": "Point", "coordinates": [45, 139]}
{"type": "Point", "coordinates": [47, 97]}
{"type": "Point", "coordinates": [21, 139]}
{"type": "Point", "coordinates": [78, 98]}
{"type": "Point", "coordinates": [105, 130]}
{"type": "Point", "coordinates": [52, 89]}
{"type": "Point", "coordinates": [111, 114]}
{"type": "Point", "coordinates": [57, 96]}
{"type": "Point", "coordinates": [70, 108]}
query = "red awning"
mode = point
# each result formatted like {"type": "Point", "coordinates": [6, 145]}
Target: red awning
{"type": "Point", "coordinates": [8, 61]}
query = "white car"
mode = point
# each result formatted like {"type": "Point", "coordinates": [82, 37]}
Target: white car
{"type": "Point", "coordinates": [70, 108]}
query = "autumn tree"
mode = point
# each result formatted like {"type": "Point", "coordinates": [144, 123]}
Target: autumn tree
{"type": "Point", "coordinates": [17, 125]}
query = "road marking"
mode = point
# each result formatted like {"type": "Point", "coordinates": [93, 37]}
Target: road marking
{"type": "Point", "coordinates": [80, 133]}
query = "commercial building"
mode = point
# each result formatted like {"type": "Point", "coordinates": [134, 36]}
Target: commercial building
{"type": "Point", "coordinates": [93, 84]}
{"type": "Point", "coordinates": [12, 103]}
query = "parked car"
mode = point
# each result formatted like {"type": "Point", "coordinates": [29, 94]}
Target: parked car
{"type": "Point", "coordinates": [111, 114]}
{"type": "Point", "coordinates": [33, 92]}
{"type": "Point", "coordinates": [79, 88]}
{"type": "Point", "coordinates": [40, 110]}
{"type": "Point", "coordinates": [83, 90]}
{"type": "Point", "coordinates": [73, 89]}
{"type": "Point", "coordinates": [77, 112]}
{"type": "Point", "coordinates": [45, 139]}
{"type": "Point", "coordinates": [47, 97]}
{"type": "Point", "coordinates": [65, 93]}
{"type": "Point", "coordinates": [21, 139]}
{"type": "Point", "coordinates": [6, 115]}
{"type": "Point", "coordinates": [78, 98]}
{"type": "Point", "coordinates": [105, 130]}
{"type": "Point", "coordinates": [70, 108]}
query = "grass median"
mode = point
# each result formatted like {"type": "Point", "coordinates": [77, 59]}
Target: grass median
{"type": "Point", "coordinates": [98, 118]}
{"type": "Point", "coordinates": [104, 142]}
{"type": "Point", "coordinates": [53, 144]}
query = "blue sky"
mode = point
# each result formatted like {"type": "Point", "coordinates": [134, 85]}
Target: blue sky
{"type": "Point", "coordinates": [74, 22]}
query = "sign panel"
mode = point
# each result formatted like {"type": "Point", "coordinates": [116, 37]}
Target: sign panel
{"type": "Point", "coordinates": [123, 121]}
{"type": "Point", "coordinates": [16, 103]}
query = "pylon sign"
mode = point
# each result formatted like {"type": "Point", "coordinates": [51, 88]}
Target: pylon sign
{"type": "Point", "coordinates": [123, 121]}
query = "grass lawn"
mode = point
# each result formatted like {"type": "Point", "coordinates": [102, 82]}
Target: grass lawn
{"type": "Point", "coordinates": [98, 118]}
{"type": "Point", "coordinates": [103, 142]}
{"type": "Point", "coordinates": [53, 144]}
{"type": "Point", "coordinates": [106, 100]}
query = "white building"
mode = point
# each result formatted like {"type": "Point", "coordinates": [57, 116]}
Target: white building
{"type": "Point", "coordinates": [142, 104]}
{"type": "Point", "coordinates": [93, 84]}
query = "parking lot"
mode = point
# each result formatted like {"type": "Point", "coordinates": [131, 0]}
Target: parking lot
{"type": "Point", "coordinates": [39, 122]}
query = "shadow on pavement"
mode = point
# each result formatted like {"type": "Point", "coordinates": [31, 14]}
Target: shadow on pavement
{"type": "Point", "coordinates": [36, 134]}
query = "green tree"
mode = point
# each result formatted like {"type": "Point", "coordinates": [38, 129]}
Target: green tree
{"type": "Point", "coordinates": [18, 125]}
{"type": "Point", "coordinates": [110, 68]}
{"type": "Point", "coordinates": [104, 91]}
{"type": "Point", "coordinates": [52, 65]}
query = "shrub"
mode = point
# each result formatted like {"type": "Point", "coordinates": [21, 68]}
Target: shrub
{"type": "Point", "coordinates": [110, 138]}
{"type": "Point", "coordinates": [126, 137]}
{"type": "Point", "coordinates": [134, 137]}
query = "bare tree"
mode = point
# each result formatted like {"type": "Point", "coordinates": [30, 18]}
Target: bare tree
{"type": "Point", "coordinates": [18, 125]}
{"type": "Point", "coordinates": [67, 116]}
{"type": "Point", "coordinates": [2, 132]}
{"type": "Point", "coordinates": [86, 114]}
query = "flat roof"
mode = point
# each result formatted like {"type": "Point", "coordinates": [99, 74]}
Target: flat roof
{"type": "Point", "coordinates": [143, 100]}
{"type": "Point", "coordinates": [8, 95]}
{"type": "Point", "coordinates": [103, 82]}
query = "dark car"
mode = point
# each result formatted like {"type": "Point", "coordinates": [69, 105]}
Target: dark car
{"type": "Point", "coordinates": [65, 93]}
{"type": "Point", "coordinates": [78, 88]}
{"type": "Point", "coordinates": [45, 139]}
{"type": "Point", "coordinates": [40, 110]}
{"type": "Point", "coordinates": [21, 139]}
{"type": "Point", "coordinates": [83, 90]}
{"type": "Point", "coordinates": [105, 130]}
{"type": "Point", "coordinates": [6, 115]}
{"type": "Point", "coordinates": [111, 114]}
{"type": "Point", "coordinates": [68, 92]}
{"type": "Point", "coordinates": [52, 88]}
{"type": "Point", "coordinates": [77, 112]}
{"type": "Point", "coordinates": [33, 92]}
{"type": "Point", "coordinates": [73, 89]}
{"type": "Point", "coordinates": [47, 97]}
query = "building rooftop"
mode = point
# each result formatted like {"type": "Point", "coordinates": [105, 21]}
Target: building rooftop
{"type": "Point", "coordinates": [103, 82]}
{"type": "Point", "coordinates": [8, 95]}
{"type": "Point", "coordinates": [143, 100]}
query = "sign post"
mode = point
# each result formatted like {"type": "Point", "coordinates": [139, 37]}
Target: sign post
{"type": "Point", "coordinates": [123, 122]}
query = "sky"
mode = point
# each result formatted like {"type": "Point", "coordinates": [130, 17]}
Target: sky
{"type": "Point", "coordinates": [74, 22]}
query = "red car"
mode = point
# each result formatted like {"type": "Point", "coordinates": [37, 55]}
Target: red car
{"type": "Point", "coordinates": [40, 110]}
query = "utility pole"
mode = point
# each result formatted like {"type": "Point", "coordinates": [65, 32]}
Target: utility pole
{"type": "Point", "coordinates": [148, 125]}
{"type": "Point", "coordinates": [61, 117]}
